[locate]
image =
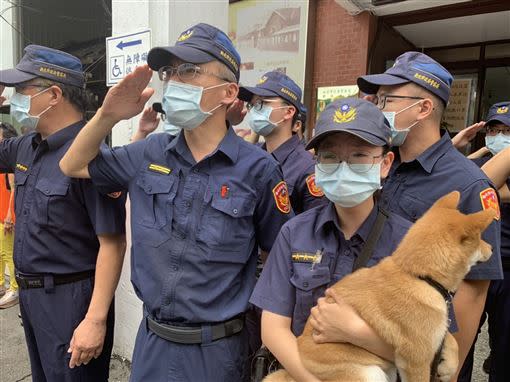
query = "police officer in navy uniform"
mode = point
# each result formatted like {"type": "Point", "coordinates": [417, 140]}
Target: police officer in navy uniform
{"type": "Point", "coordinates": [274, 105]}
{"type": "Point", "coordinates": [320, 246]}
{"type": "Point", "coordinates": [202, 204]}
{"type": "Point", "coordinates": [413, 95]}
{"type": "Point", "coordinates": [497, 305]}
{"type": "Point", "coordinates": [69, 239]}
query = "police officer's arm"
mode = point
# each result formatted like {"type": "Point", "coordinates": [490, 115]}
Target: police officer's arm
{"type": "Point", "coordinates": [311, 195]}
{"type": "Point", "coordinates": [88, 337]}
{"type": "Point", "coordinates": [8, 153]}
{"type": "Point", "coordinates": [148, 123]}
{"type": "Point", "coordinates": [123, 101]}
{"type": "Point", "coordinates": [498, 168]}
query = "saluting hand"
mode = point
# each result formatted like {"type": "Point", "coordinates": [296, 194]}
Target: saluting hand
{"type": "Point", "coordinates": [128, 97]}
{"type": "Point", "coordinates": [149, 121]}
{"type": "Point", "coordinates": [466, 135]}
{"type": "Point", "coordinates": [87, 342]}
{"type": "Point", "coordinates": [236, 112]}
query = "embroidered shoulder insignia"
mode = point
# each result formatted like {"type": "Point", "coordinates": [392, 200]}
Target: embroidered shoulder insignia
{"type": "Point", "coordinates": [312, 187]}
{"type": "Point", "coordinates": [161, 169]}
{"type": "Point", "coordinates": [489, 199]}
{"type": "Point", "coordinates": [281, 197]}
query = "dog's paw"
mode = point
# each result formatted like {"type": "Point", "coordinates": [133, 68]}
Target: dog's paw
{"type": "Point", "coordinates": [446, 369]}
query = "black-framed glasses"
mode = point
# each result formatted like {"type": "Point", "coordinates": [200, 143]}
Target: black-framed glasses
{"type": "Point", "coordinates": [185, 72]}
{"type": "Point", "coordinates": [259, 103]}
{"type": "Point", "coordinates": [380, 101]}
{"type": "Point", "coordinates": [358, 161]}
{"type": "Point", "coordinates": [493, 130]}
{"type": "Point", "coordinates": [17, 89]}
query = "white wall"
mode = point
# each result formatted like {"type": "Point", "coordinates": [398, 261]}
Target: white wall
{"type": "Point", "coordinates": [8, 38]}
{"type": "Point", "coordinates": [167, 19]}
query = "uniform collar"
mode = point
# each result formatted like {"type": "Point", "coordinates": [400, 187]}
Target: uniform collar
{"type": "Point", "coordinates": [429, 157]}
{"type": "Point", "coordinates": [58, 139]}
{"type": "Point", "coordinates": [328, 215]}
{"type": "Point", "coordinates": [229, 145]}
{"type": "Point", "coordinates": [285, 149]}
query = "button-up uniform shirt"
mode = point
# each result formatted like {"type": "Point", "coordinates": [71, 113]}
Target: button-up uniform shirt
{"type": "Point", "coordinates": [58, 218]}
{"type": "Point", "coordinates": [298, 169]}
{"type": "Point", "coordinates": [196, 227]}
{"type": "Point", "coordinates": [294, 278]}
{"type": "Point", "coordinates": [412, 188]}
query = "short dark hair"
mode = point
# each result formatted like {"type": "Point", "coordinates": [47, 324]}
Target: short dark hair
{"type": "Point", "coordinates": [80, 98]}
{"type": "Point", "coordinates": [8, 131]}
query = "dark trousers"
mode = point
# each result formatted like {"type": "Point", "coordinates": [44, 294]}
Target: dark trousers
{"type": "Point", "coordinates": [497, 309]}
{"type": "Point", "coordinates": [156, 359]}
{"type": "Point", "coordinates": [50, 316]}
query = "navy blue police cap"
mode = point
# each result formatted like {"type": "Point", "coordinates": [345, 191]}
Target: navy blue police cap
{"type": "Point", "coordinates": [354, 116]}
{"type": "Point", "coordinates": [413, 67]}
{"type": "Point", "coordinates": [499, 113]}
{"type": "Point", "coordinates": [197, 45]}
{"type": "Point", "coordinates": [41, 61]}
{"type": "Point", "coordinates": [273, 84]}
{"type": "Point", "coordinates": [302, 112]}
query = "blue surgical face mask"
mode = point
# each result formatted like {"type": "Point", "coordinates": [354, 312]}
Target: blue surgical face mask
{"type": "Point", "coordinates": [20, 109]}
{"type": "Point", "coordinates": [181, 103]}
{"type": "Point", "coordinates": [346, 187]}
{"type": "Point", "coordinates": [171, 129]}
{"type": "Point", "coordinates": [497, 143]}
{"type": "Point", "coordinates": [259, 121]}
{"type": "Point", "coordinates": [398, 136]}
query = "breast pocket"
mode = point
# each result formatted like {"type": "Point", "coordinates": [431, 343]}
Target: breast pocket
{"type": "Point", "coordinates": [153, 206]}
{"type": "Point", "coordinates": [310, 284]}
{"type": "Point", "coordinates": [50, 202]}
{"type": "Point", "coordinates": [411, 207]}
{"type": "Point", "coordinates": [227, 225]}
{"type": "Point", "coordinates": [20, 178]}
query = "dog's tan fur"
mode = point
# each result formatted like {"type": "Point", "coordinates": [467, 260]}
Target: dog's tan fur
{"type": "Point", "coordinates": [405, 311]}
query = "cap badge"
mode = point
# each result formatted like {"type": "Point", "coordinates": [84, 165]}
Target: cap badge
{"type": "Point", "coordinates": [186, 35]}
{"type": "Point", "coordinates": [344, 114]}
{"type": "Point", "coordinates": [502, 110]}
{"type": "Point", "coordinates": [262, 80]}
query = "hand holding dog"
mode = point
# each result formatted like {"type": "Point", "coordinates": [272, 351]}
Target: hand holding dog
{"type": "Point", "coordinates": [335, 321]}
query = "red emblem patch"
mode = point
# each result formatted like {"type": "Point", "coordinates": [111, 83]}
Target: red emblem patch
{"type": "Point", "coordinates": [312, 187]}
{"type": "Point", "coordinates": [281, 197]}
{"type": "Point", "coordinates": [489, 199]}
{"type": "Point", "coordinates": [115, 195]}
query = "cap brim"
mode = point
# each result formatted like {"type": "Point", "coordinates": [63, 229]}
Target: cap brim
{"type": "Point", "coordinates": [159, 57]}
{"type": "Point", "coordinates": [372, 139]}
{"type": "Point", "coordinates": [370, 84]}
{"type": "Point", "coordinates": [247, 92]}
{"type": "Point", "coordinates": [12, 77]}
{"type": "Point", "coordinates": [502, 120]}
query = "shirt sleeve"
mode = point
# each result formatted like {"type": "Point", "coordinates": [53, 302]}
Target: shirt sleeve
{"type": "Point", "coordinates": [273, 208]}
{"type": "Point", "coordinates": [481, 195]}
{"type": "Point", "coordinates": [113, 168]}
{"type": "Point", "coordinates": [273, 291]}
{"type": "Point", "coordinates": [8, 154]}
{"type": "Point", "coordinates": [311, 194]}
{"type": "Point", "coordinates": [106, 212]}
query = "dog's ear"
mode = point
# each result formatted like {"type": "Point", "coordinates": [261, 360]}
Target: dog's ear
{"type": "Point", "coordinates": [482, 219]}
{"type": "Point", "coordinates": [449, 201]}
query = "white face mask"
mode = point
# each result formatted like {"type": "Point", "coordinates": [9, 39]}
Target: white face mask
{"type": "Point", "coordinates": [259, 121]}
{"type": "Point", "coordinates": [497, 143]}
{"type": "Point", "coordinates": [181, 103]}
{"type": "Point", "coordinates": [20, 109]}
{"type": "Point", "coordinates": [398, 136]}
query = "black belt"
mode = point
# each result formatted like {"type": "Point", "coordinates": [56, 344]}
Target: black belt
{"type": "Point", "coordinates": [193, 335]}
{"type": "Point", "coordinates": [37, 281]}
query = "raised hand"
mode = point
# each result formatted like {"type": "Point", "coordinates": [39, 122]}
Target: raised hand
{"type": "Point", "coordinates": [128, 97]}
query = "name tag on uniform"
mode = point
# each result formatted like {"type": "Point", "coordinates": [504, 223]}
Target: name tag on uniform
{"type": "Point", "coordinates": [304, 257]}
{"type": "Point", "coordinates": [160, 169]}
{"type": "Point", "coordinates": [21, 167]}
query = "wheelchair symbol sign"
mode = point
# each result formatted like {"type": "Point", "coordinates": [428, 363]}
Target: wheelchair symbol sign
{"type": "Point", "coordinates": [117, 68]}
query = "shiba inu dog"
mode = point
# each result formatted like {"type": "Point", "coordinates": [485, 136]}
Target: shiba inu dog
{"type": "Point", "coordinates": [404, 299]}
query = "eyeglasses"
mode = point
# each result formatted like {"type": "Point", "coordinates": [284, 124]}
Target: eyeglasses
{"type": "Point", "coordinates": [492, 130]}
{"type": "Point", "coordinates": [259, 104]}
{"type": "Point", "coordinates": [20, 88]}
{"type": "Point", "coordinates": [184, 72]}
{"type": "Point", "coordinates": [357, 161]}
{"type": "Point", "coordinates": [380, 101]}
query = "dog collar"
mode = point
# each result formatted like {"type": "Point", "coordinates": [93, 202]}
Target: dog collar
{"type": "Point", "coordinates": [447, 295]}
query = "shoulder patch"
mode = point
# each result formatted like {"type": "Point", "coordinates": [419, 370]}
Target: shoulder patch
{"type": "Point", "coordinates": [281, 197]}
{"type": "Point", "coordinates": [115, 195]}
{"type": "Point", "coordinates": [161, 169]}
{"type": "Point", "coordinates": [489, 199]}
{"type": "Point", "coordinates": [312, 187]}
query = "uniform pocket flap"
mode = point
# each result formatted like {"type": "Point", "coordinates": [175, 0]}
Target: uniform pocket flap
{"type": "Point", "coordinates": [155, 184]}
{"type": "Point", "coordinates": [234, 206]}
{"type": "Point", "coordinates": [50, 188]}
{"type": "Point", "coordinates": [308, 279]}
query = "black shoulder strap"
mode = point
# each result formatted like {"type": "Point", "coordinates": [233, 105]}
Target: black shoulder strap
{"type": "Point", "coordinates": [373, 237]}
